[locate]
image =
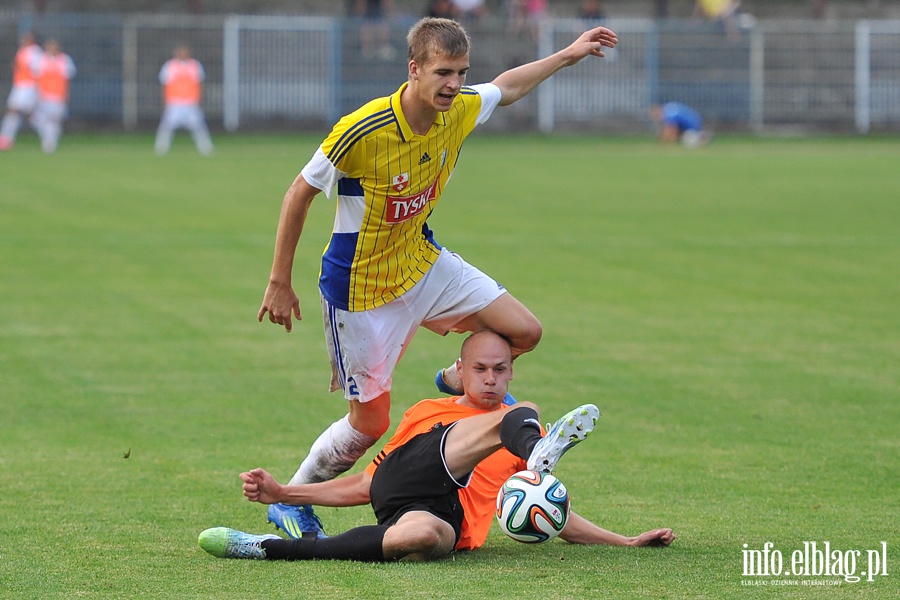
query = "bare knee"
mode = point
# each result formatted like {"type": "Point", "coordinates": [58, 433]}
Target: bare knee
{"type": "Point", "coordinates": [432, 542]}
{"type": "Point", "coordinates": [425, 541]}
{"type": "Point", "coordinates": [529, 337]}
{"type": "Point", "coordinates": [373, 417]}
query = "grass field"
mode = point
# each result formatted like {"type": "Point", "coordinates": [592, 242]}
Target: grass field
{"type": "Point", "coordinates": [734, 311]}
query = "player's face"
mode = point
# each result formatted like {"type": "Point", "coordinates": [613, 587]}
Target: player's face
{"type": "Point", "coordinates": [486, 370]}
{"type": "Point", "coordinates": [439, 79]}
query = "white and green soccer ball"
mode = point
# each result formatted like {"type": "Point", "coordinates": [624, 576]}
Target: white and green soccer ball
{"type": "Point", "coordinates": [532, 507]}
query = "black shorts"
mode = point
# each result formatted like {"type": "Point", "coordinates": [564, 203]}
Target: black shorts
{"type": "Point", "coordinates": [414, 477]}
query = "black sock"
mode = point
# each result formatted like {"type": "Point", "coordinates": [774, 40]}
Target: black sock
{"type": "Point", "coordinates": [299, 549]}
{"type": "Point", "coordinates": [520, 430]}
{"type": "Point", "coordinates": [361, 543]}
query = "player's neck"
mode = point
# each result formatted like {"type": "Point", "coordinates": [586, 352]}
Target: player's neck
{"type": "Point", "coordinates": [419, 115]}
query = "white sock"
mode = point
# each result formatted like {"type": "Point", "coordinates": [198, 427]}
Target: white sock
{"type": "Point", "coordinates": [163, 140]}
{"type": "Point", "coordinates": [334, 452]}
{"type": "Point", "coordinates": [451, 377]}
{"type": "Point", "coordinates": [11, 122]}
{"type": "Point", "coordinates": [50, 133]}
{"type": "Point", "coordinates": [202, 141]}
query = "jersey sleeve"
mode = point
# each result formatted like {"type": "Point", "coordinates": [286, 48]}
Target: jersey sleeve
{"type": "Point", "coordinates": [320, 173]}
{"type": "Point", "coordinates": [340, 155]}
{"type": "Point", "coordinates": [490, 99]}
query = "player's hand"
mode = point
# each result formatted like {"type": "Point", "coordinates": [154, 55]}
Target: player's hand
{"type": "Point", "coordinates": [260, 486]}
{"type": "Point", "coordinates": [280, 302]}
{"type": "Point", "coordinates": [656, 537]}
{"type": "Point", "coordinates": [591, 42]}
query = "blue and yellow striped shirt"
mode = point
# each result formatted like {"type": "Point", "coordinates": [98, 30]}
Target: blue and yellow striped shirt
{"type": "Point", "coordinates": [388, 182]}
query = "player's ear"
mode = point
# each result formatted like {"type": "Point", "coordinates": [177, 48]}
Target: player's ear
{"type": "Point", "coordinates": [413, 70]}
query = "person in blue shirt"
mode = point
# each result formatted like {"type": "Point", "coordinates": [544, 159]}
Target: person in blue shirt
{"type": "Point", "coordinates": [679, 122]}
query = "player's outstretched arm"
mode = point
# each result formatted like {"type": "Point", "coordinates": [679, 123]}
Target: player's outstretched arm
{"type": "Point", "coordinates": [519, 81]}
{"type": "Point", "coordinates": [260, 486]}
{"type": "Point", "coordinates": [579, 530]}
{"type": "Point", "coordinates": [280, 301]}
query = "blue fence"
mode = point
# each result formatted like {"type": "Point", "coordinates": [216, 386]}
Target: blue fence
{"type": "Point", "coordinates": [304, 72]}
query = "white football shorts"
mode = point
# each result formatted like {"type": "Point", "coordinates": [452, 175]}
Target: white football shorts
{"type": "Point", "coordinates": [22, 99]}
{"type": "Point", "coordinates": [182, 116]}
{"type": "Point", "coordinates": [365, 346]}
{"type": "Point", "coordinates": [50, 111]}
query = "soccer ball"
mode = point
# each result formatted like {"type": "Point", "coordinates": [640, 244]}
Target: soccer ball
{"type": "Point", "coordinates": [532, 507]}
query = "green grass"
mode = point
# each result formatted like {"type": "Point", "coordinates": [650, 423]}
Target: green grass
{"type": "Point", "coordinates": [734, 311]}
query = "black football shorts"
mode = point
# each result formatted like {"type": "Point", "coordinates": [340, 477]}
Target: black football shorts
{"type": "Point", "coordinates": [415, 477]}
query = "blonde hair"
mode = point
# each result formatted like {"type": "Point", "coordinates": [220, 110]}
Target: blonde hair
{"type": "Point", "coordinates": [432, 36]}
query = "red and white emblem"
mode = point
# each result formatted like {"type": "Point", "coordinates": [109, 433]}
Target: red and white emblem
{"type": "Point", "coordinates": [400, 182]}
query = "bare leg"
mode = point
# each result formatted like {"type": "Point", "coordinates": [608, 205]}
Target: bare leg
{"type": "Point", "coordinates": [373, 417]}
{"type": "Point", "coordinates": [507, 317]}
{"type": "Point", "coordinates": [418, 535]}
{"type": "Point", "coordinates": [473, 439]}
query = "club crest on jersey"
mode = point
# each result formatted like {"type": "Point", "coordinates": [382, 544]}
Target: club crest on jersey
{"type": "Point", "coordinates": [404, 208]}
{"type": "Point", "coordinates": [400, 182]}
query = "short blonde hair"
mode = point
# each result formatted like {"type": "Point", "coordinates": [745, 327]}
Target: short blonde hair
{"type": "Point", "coordinates": [432, 36]}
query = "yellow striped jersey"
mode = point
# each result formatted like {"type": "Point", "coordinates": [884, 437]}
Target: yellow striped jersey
{"type": "Point", "coordinates": [388, 181]}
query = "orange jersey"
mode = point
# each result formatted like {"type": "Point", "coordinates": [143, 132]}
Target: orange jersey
{"type": "Point", "coordinates": [182, 80]}
{"type": "Point", "coordinates": [54, 73]}
{"type": "Point", "coordinates": [479, 498]}
{"type": "Point", "coordinates": [24, 66]}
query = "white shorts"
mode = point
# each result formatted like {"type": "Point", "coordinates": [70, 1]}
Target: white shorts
{"type": "Point", "coordinates": [182, 116]}
{"type": "Point", "coordinates": [50, 111]}
{"type": "Point", "coordinates": [22, 99]}
{"type": "Point", "coordinates": [365, 346]}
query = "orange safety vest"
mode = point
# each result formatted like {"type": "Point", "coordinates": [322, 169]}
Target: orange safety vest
{"type": "Point", "coordinates": [183, 79]}
{"type": "Point", "coordinates": [54, 74]}
{"type": "Point", "coordinates": [23, 76]}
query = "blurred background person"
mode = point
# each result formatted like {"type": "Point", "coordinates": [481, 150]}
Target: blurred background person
{"type": "Point", "coordinates": [442, 9]}
{"type": "Point", "coordinates": [374, 29]}
{"type": "Point", "coordinates": [592, 11]}
{"type": "Point", "coordinates": [819, 9]}
{"type": "Point", "coordinates": [470, 10]}
{"type": "Point", "coordinates": [182, 78]}
{"type": "Point", "coordinates": [23, 96]}
{"type": "Point", "coordinates": [527, 15]}
{"type": "Point", "coordinates": [679, 122]}
{"type": "Point", "coordinates": [719, 11]}
{"type": "Point", "coordinates": [54, 71]}
{"type": "Point", "coordinates": [716, 10]}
